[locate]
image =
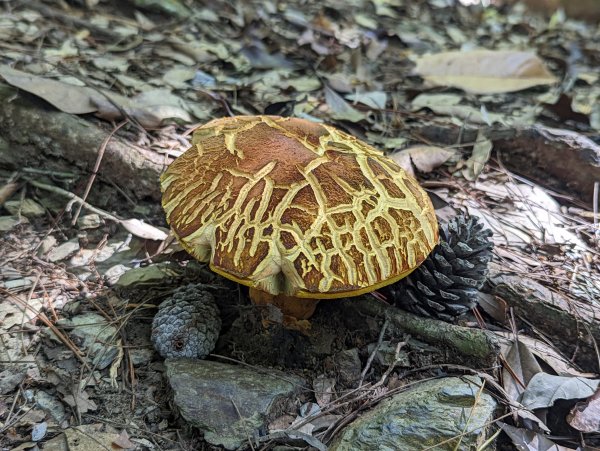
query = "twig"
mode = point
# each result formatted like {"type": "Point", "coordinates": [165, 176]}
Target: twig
{"type": "Point", "coordinates": [243, 420]}
{"type": "Point", "coordinates": [475, 343]}
{"type": "Point", "coordinates": [372, 356]}
{"type": "Point", "coordinates": [88, 187]}
{"type": "Point", "coordinates": [75, 198]}
{"type": "Point", "coordinates": [596, 189]}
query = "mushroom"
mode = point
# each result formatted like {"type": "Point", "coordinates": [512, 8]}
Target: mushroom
{"type": "Point", "coordinates": [298, 211]}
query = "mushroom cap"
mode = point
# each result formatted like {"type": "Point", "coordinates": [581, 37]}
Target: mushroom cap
{"type": "Point", "coordinates": [294, 207]}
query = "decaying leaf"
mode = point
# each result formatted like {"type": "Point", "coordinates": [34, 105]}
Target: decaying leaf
{"type": "Point", "coordinates": [526, 440]}
{"type": "Point", "coordinates": [519, 368]}
{"type": "Point", "coordinates": [143, 230]}
{"type": "Point", "coordinates": [585, 416]}
{"type": "Point", "coordinates": [424, 158]}
{"type": "Point", "coordinates": [373, 99]}
{"type": "Point", "coordinates": [340, 109]}
{"type": "Point", "coordinates": [324, 389]}
{"type": "Point", "coordinates": [494, 306]}
{"type": "Point", "coordinates": [453, 105]}
{"type": "Point", "coordinates": [544, 389]}
{"type": "Point", "coordinates": [481, 154]}
{"type": "Point", "coordinates": [546, 353]}
{"type": "Point", "coordinates": [485, 71]}
{"type": "Point", "coordinates": [122, 441]}
{"type": "Point", "coordinates": [149, 108]}
{"type": "Point", "coordinates": [66, 97]}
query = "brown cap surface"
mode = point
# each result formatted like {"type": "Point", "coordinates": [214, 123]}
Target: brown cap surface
{"type": "Point", "coordinates": [291, 206]}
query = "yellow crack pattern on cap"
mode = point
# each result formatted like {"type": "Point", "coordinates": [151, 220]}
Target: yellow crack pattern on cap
{"type": "Point", "coordinates": [294, 207]}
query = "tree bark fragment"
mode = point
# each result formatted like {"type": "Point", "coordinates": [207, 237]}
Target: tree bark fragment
{"type": "Point", "coordinates": [33, 134]}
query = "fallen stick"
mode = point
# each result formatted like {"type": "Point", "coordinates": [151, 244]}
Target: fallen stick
{"type": "Point", "coordinates": [473, 343]}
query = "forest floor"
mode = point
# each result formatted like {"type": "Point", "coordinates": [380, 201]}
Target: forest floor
{"type": "Point", "coordinates": [98, 97]}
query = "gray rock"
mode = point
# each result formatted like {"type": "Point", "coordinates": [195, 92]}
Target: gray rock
{"type": "Point", "coordinates": [348, 366]}
{"type": "Point", "coordinates": [91, 221]}
{"type": "Point", "coordinates": [229, 403]}
{"type": "Point", "coordinates": [28, 208]}
{"type": "Point", "coordinates": [114, 273]}
{"type": "Point", "coordinates": [63, 251]}
{"type": "Point", "coordinates": [51, 405]}
{"type": "Point", "coordinates": [422, 417]}
{"type": "Point", "coordinates": [47, 243]}
{"type": "Point", "coordinates": [9, 222]}
{"type": "Point", "coordinates": [95, 335]}
{"type": "Point", "coordinates": [11, 377]}
{"type": "Point", "coordinates": [18, 284]}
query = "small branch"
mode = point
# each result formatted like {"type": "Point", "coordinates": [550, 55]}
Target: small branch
{"type": "Point", "coordinates": [74, 198]}
{"type": "Point", "coordinates": [474, 343]}
{"type": "Point", "coordinates": [95, 171]}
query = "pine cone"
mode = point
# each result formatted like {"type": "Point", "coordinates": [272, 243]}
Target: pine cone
{"type": "Point", "coordinates": [447, 284]}
{"type": "Point", "coordinates": [187, 324]}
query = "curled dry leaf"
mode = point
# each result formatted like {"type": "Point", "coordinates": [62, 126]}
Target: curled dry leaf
{"type": "Point", "coordinates": [340, 109]}
{"type": "Point", "coordinates": [424, 158]}
{"type": "Point", "coordinates": [485, 71]}
{"type": "Point", "coordinates": [481, 154]}
{"type": "Point", "coordinates": [585, 416]}
{"type": "Point", "coordinates": [143, 230]}
{"type": "Point", "coordinates": [64, 96]}
{"type": "Point", "coordinates": [149, 108]}
{"type": "Point", "coordinates": [527, 440]}
{"type": "Point", "coordinates": [544, 389]}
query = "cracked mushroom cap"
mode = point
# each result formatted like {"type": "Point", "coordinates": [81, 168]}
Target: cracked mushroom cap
{"type": "Point", "coordinates": [294, 207]}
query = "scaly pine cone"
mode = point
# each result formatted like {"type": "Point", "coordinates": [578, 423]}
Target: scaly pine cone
{"type": "Point", "coordinates": [447, 284]}
{"type": "Point", "coordinates": [187, 324]}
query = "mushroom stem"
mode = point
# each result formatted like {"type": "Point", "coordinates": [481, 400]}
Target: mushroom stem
{"type": "Point", "coordinates": [298, 308]}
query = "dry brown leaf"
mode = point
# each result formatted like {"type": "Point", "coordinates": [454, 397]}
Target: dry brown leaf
{"type": "Point", "coordinates": [340, 109]}
{"type": "Point", "coordinates": [494, 306]}
{"type": "Point", "coordinates": [485, 71]}
{"type": "Point", "coordinates": [122, 441]}
{"type": "Point", "coordinates": [66, 97]}
{"type": "Point", "coordinates": [480, 156]}
{"type": "Point", "coordinates": [149, 108]}
{"type": "Point", "coordinates": [523, 367]}
{"type": "Point", "coordinates": [585, 416]}
{"type": "Point", "coordinates": [425, 158]}
{"type": "Point", "coordinates": [559, 363]}
{"type": "Point", "coordinates": [403, 160]}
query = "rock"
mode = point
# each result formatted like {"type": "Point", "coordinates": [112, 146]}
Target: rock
{"type": "Point", "coordinates": [63, 251]}
{"type": "Point", "coordinates": [9, 222]}
{"type": "Point", "coordinates": [9, 273]}
{"type": "Point", "coordinates": [386, 355]}
{"type": "Point", "coordinates": [47, 243]}
{"type": "Point", "coordinates": [18, 284]}
{"type": "Point", "coordinates": [51, 405]}
{"type": "Point", "coordinates": [91, 221]}
{"type": "Point", "coordinates": [424, 416]}
{"type": "Point", "coordinates": [229, 403]}
{"type": "Point", "coordinates": [96, 335]}
{"type": "Point", "coordinates": [114, 273]}
{"type": "Point", "coordinates": [348, 366]}
{"type": "Point", "coordinates": [11, 377]}
{"type": "Point", "coordinates": [145, 274]}
{"type": "Point", "coordinates": [28, 208]}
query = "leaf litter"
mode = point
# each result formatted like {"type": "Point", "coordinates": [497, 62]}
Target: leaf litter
{"type": "Point", "coordinates": [387, 72]}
